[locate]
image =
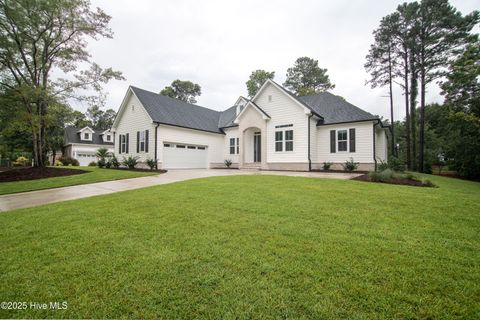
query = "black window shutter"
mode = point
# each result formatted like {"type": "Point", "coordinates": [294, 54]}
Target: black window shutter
{"type": "Point", "coordinates": [126, 142]}
{"type": "Point", "coordinates": [332, 141]}
{"type": "Point", "coordinates": [352, 139]}
{"type": "Point", "coordinates": [146, 140]}
{"type": "Point", "coordinates": [119, 143]}
{"type": "Point", "coordinates": [138, 141]}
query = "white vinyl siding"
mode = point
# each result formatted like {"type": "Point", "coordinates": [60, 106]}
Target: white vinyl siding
{"type": "Point", "coordinates": [381, 145]}
{"type": "Point", "coordinates": [130, 122]}
{"type": "Point", "coordinates": [283, 110]}
{"type": "Point", "coordinates": [213, 142]}
{"type": "Point", "coordinates": [363, 142]}
{"type": "Point", "coordinates": [230, 133]}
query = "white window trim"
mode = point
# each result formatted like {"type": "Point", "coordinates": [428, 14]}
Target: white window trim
{"type": "Point", "coordinates": [142, 141]}
{"type": "Point", "coordinates": [284, 140]}
{"type": "Point", "coordinates": [123, 143]}
{"type": "Point", "coordinates": [337, 141]}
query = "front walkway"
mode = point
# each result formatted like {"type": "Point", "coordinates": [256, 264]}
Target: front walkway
{"type": "Point", "coordinates": [36, 198]}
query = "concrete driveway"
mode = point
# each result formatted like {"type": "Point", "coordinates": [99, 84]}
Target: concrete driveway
{"type": "Point", "coordinates": [36, 198]}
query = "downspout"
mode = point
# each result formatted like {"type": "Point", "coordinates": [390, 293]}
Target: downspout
{"type": "Point", "coordinates": [156, 160]}
{"type": "Point", "coordinates": [309, 158]}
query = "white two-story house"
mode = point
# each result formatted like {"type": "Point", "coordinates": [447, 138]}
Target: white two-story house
{"type": "Point", "coordinates": [83, 143]}
{"type": "Point", "coordinates": [275, 130]}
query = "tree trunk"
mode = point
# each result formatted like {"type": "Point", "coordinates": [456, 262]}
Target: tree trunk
{"type": "Point", "coordinates": [413, 100]}
{"type": "Point", "coordinates": [391, 101]}
{"type": "Point", "coordinates": [407, 113]}
{"type": "Point", "coordinates": [421, 160]}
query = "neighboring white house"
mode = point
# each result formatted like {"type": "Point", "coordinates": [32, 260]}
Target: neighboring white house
{"type": "Point", "coordinates": [82, 143]}
{"type": "Point", "coordinates": [274, 130]}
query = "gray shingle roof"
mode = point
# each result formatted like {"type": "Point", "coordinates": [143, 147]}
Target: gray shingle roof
{"type": "Point", "coordinates": [166, 110]}
{"type": "Point", "coordinates": [73, 136]}
{"type": "Point", "coordinates": [335, 109]}
{"type": "Point", "coordinates": [226, 117]}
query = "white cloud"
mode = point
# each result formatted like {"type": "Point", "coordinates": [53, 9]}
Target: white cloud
{"type": "Point", "coordinates": [219, 43]}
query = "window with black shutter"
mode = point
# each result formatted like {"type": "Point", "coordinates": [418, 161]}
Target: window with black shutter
{"type": "Point", "coordinates": [351, 138]}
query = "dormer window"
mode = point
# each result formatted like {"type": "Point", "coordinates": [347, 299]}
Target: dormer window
{"type": "Point", "coordinates": [86, 136]}
{"type": "Point", "coordinates": [109, 138]}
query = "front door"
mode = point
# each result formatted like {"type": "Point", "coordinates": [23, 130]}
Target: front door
{"type": "Point", "coordinates": [257, 147]}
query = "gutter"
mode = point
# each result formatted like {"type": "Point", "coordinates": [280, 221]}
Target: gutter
{"type": "Point", "coordinates": [156, 144]}
{"type": "Point", "coordinates": [309, 158]}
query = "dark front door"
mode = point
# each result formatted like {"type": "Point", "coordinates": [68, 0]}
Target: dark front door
{"type": "Point", "coordinates": [257, 147]}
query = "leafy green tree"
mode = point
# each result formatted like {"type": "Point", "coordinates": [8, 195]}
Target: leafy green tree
{"type": "Point", "coordinates": [256, 81]}
{"type": "Point", "coordinates": [59, 116]}
{"type": "Point", "coordinates": [462, 95]}
{"type": "Point", "coordinates": [80, 120]}
{"type": "Point", "coordinates": [100, 119]}
{"type": "Point", "coordinates": [380, 62]}
{"type": "Point", "coordinates": [306, 77]}
{"type": "Point", "coordinates": [183, 90]}
{"type": "Point", "coordinates": [442, 30]}
{"type": "Point", "coordinates": [40, 37]}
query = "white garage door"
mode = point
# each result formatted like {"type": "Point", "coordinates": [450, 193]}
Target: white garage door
{"type": "Point", "coordinates": [85, 158]}
{"type": "Point", "coordinates": [184, 156]}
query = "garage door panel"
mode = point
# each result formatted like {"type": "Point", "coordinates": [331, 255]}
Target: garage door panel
{"type": "Point", "coordinates": [186, 157]}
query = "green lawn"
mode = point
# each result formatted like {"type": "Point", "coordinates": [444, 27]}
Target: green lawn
{"type": "Point", "coordinates": [250, 247]}
{"type": "Point", "coordinates": [95, 175]}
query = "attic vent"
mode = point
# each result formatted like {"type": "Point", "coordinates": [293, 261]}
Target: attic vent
{"type": "Point", "coordinates": [270, 98]}
{"type": "Point", "coordinates": [133, 107]}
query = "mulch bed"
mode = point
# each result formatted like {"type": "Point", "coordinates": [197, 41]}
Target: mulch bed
{"type": "Point", "coordinates": [338, 171]}
{"type": "Point", "coordinates": [401, 181]}
{"type": "Point", "coordinates": [31, 173]}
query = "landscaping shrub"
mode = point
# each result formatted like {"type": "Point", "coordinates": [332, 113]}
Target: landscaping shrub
{"type": "Point", "coordinates": [114, 162]}
{"type": "Point", "coordinates": [92, 164]}
{"type": "Point", "coordinates": [396, 164]}
{"type": "Point", "coordinates": [228, 163]}
{"type": "Point", "coordinates": [350, 165]}
{"type": "Point", "coordinates": [67, 161]}
{"type": "Point", "coordinates": [108, 164]}
{"type": "Point", "coordinates": [21, 162]}
{"type": "Point", "coordinates": [383, 165]}
{"type": "Point", "coordinates": [151, 163]}
{"type": "Point", "coordinates": [101, 163]}
{"type": "Point", "coordinates": [103, 156]}
{"type": "Point", "coordinates": [130, 162]}
{"type": "Point", "coordinates": [383, 175]}
{"type": "Point", "coordinates": [326, 166]}
{"type": "Point", "coordinates": [58, 163]}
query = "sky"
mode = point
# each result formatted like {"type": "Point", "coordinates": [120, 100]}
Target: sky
{"type": "Point", "coordinates": [217, 44]}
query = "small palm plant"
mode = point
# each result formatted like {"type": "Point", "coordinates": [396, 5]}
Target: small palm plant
{"type": "Point", "coordinates": [102, 154]}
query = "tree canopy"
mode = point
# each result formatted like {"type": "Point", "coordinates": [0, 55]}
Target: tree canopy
{"type": "Point", "coordinates": [43, 36]}
{"type": "Point", "coordinates": [306, 77]}
{"type": "Point", "coordinates": [257, 79]}
{"type": "Point", "coordinates": [184, 90]}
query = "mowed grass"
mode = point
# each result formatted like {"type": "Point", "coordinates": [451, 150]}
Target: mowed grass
{"type": "Point", "coordinates": [94, 175]}
{"type": "Point", "coordinates": [250, 247]}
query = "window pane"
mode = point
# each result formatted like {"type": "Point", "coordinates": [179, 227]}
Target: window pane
{"type": "Point", "coordinates": [342, 135]}
{"type": "Point", "coordinates": [238, 145]}
{"type": "Point", "coordinates": [232, 142]}
{"type": "Point", "coordinates": [289, 146]}
{"type": "Point", "coordinates": [232, 150]}
{"type": "Point", "coordinates": [342, 145]}
{"type": "Point", "coordinates": [278, 146]}
{"type": "Point", "coordinates": [279, 136]}
{"type": "Point", "coordinates": [289, 135]}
